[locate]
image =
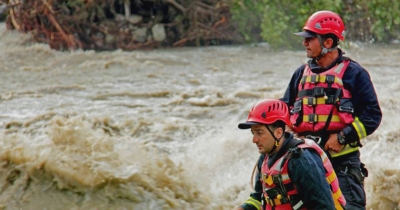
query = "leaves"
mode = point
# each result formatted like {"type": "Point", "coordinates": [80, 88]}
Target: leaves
{"type": "Point", "coordinates": [277, 20]}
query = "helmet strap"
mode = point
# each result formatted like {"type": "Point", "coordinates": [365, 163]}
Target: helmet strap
{"type": "Point", "coordinates": [324, 49]}
{"type": "Point", "coordinates": [276, 139]}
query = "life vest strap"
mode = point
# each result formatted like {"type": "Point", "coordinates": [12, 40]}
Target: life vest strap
{"type": "Point", "coordinates": [314, 118]}
{"type": "Point", "coordinates": [312, 101]}
{"type": "Point", "coordinates": [315, 78]}
{"type": "Point", "coordinates": [331, 177]}
{"type": "Point", "coordinates": [317, 92]}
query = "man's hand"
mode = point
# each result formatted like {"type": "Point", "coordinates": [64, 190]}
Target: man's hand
{"type": "Point", "coordinates": [333, 144]}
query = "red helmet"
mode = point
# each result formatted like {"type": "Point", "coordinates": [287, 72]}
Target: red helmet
{"type": "Point", "coordinates": [267, 112]}
{"type": "Point", "coordinates": [325, 22]}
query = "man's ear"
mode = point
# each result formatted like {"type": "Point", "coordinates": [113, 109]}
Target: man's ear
{"type": "Point", "coordinates": [328, 43]}
{"type": "Point", "coordinates": [279, 132]}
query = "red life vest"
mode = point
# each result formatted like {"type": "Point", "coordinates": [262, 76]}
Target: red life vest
{"type": "Point", "coordinates": [279, 191]}
{"type": "Point", "coordinates": [320, 96]}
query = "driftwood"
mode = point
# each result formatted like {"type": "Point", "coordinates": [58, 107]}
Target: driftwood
{"type": "Point", "coordinates": [122, 24]}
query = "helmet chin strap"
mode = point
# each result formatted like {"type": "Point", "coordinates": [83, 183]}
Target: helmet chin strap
{"type": "Point", "coordinates": [276, 140]}
{"type": "Point", "coordinates": [324, 49]}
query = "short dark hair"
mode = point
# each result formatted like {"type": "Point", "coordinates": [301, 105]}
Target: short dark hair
{"type": "Point", "coordinates": [279, 124]}
{"type": "Point", "coordinates": [333, 37]}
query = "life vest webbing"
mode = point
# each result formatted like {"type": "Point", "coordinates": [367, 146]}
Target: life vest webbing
{"type": "Point", "coordinates": [317, 92]}
{"type": "Point", "coordinates": [313, 118]}
{"type": "Point", "coordinates": [321, 78]}
{"type": "Point", "coordinates": [312, 101]}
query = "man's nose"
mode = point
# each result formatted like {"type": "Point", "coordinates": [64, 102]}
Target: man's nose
{"type": "Point", "coordinates": [255, 139]}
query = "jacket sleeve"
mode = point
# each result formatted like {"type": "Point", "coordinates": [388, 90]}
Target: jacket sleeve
{"type": "Point", "coordinates": [308, 175]}
{"type": "Point", "coordinates": [367, 111]}
{"type": "Point", "coordinates": [254, 200]}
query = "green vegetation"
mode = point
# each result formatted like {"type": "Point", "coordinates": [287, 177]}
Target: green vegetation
{"type": "Point", "coordinates": [385, 15]}
{"type": "Point", "coordinates": [275, 21]}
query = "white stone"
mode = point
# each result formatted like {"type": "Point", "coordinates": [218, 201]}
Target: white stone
{"type": "Point", "coordinates": [158, 32]}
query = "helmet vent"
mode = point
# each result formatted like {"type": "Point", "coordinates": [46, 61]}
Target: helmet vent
{"type": "Point", "coordinates": [275, 106]}
{"type": "Point", "coordinates": [264, 114]}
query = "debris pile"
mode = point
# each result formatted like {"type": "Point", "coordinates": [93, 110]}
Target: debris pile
{"type": "Point", "coordinates": [123, 24]}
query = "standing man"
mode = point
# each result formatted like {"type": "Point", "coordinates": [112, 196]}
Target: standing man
{"type": "Point", "coordinates": [333, 101]}
{"type": "Point", "coordinates": [292, 173]}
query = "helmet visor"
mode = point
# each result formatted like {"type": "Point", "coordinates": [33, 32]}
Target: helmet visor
{"type": "Point", "coordinates": [246, 125]}
{"type": "Point", "coordinates": [306, 34]}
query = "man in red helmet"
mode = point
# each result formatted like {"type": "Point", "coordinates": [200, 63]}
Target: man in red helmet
{"type": "Point", "coordinates": [292, 173]}
{"type": "Point", "coordinates": [333, 101]}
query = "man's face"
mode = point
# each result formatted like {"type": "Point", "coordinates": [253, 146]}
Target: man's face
{"type": "Point", "coordinates": [262, 138]}
{"type": "Point", "coordinates": [313, 47]}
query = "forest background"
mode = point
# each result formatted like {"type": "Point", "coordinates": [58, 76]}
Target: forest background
{"type": "Point", "coordinates": [148, 24]}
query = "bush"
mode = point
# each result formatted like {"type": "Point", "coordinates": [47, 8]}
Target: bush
{"type": "Point", "coordinates": [385, 18]}
{"type": "Point", "coordinates": [275, 21]}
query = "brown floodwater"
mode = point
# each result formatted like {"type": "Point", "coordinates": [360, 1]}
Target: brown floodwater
{"type": "Point", "coordinates": [158, 129]}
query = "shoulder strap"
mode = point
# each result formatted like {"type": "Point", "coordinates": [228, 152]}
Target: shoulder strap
{"type": "Point", "coordinates": [291, 146]}
{"type": "Point", "coordinates": [293, 143]}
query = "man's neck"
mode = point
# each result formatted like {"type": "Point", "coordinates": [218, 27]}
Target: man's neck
{"type": "Point", "coordinates": [278, 148]}
{"type": "Point", "coordinates": [327, 59]}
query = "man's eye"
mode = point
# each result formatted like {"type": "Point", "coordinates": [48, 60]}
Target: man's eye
{"type": "Point", "coordinates": [308, 39]}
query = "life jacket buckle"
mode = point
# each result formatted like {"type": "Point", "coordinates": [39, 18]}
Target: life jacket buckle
{"type": "Point", "coordinates": [314, 78]}
{"type": "Point", "coordinates": [317, 139]}
{"type": "Point", "coordinates": [318, 91]}
{"type": "Point", "coordinates": [346, 109]}
{"type": "Point", "coordinates": [311, 101]}
{"type": "Point", "coordinates": [312, 118]}
{"type": "Point", "coordinates": [330, 79]}
{"type": "Point", "coordinates": [297, 107]}
{"type": "Point", "coordinates": [329, 100]}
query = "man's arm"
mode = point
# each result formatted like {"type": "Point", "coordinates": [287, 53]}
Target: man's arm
{"type": "Point", "coordinates": [367, 112]}
{"type": "Point", "coordinates": [252, 203]}
{"type": "Point", "coordinates": [254, 200]}
{"type": "Point", "coordinates": [308, 175]}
